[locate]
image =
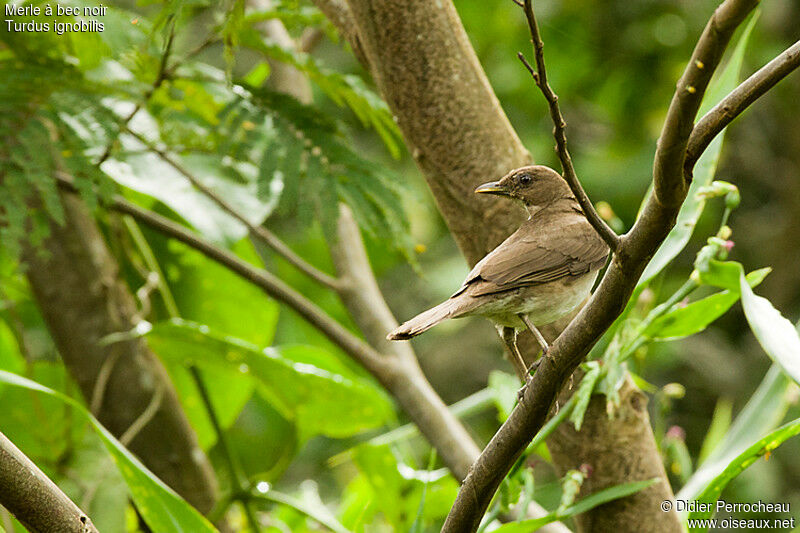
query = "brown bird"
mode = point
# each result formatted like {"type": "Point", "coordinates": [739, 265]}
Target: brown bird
{"type": "Point", "coordinates": [537, 275]}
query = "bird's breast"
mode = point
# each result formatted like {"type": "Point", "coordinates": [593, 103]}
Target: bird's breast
{"type": "Point", "coordinates": [543, 303]}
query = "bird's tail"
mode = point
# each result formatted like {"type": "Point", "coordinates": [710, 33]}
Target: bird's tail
{"type": "Point", "coordinates": [426, 320]}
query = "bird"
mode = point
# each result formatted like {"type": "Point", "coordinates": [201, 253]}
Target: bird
{"type": "Point", "coordinates": [539, 274]}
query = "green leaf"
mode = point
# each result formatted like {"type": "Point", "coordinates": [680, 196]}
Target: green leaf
{"type": "Point", "coordinates": [590, 502]}
{"type": "Point", "coordinates": [775, 334]}
{"type": "Point", "coordinates": [162, 509]}
{"type": "Point", "coordinates": [705, 169]}
{"type": "Point", "coordinates": [504, 388]}
{"type": "Point", "coordinates": [765, 410]}
{"type": "Point", "coordinates": [304, 383]}
{"type": "Point", "coordinates": [695, 317]}
{"type": "Point", "coordinates": [720, 424]}
{"type": "Point", "coordinates": [148, 174]}
{"type": "Point", "coordinates": [333, 172]}
{"type": "Point", "coordinates": [754, 452]}
{"type": "Point", "coordinates": [344, 90]}
{"type": "Point", "coordinates": [395, 489]}
{"type": "Point", "coordinates": [584, 393]}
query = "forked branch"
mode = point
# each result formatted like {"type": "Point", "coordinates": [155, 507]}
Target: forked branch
{"type": "Point", "coordinates": [736, 102]}
{"type": "Point", "coordinates": [609, 300]}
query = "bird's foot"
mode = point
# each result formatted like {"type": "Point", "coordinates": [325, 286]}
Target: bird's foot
{"type": "Point", "coordinates": [528, 378]}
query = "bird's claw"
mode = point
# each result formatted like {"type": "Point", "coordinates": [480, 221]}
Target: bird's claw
{"type": "Point", "coordinates": [528, 378]}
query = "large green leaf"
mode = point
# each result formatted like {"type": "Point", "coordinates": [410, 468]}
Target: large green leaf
{"type": "Point", "coordinates": [147, 173]}
{"type": "Point", "coordinates": [590, 502]}
{"type": "Point", "coordinates": [584, 393]}
{"type": "Point", "coordinates": [306, 384]}
{"type": "Point", "coordinates": [162, 509]}
{"type": "Point", "coordinates": [705, 168]}
{"type": "Point", "coordinates": [693, 318]}
{"type": "Point", "coordinates": [395, 488]}
{"type": "Point", "coordinates": [758, 449]}
{"type": "Point", "coordinates": [775, 334]}
{"type": "Point", "coordinates": [765, 410]}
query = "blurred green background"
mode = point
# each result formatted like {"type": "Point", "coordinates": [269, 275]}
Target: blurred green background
{"type": "Point", "coordinates": [614, 65]}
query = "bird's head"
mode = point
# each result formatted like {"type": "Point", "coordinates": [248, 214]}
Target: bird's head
{"type": "Point", "coordinates": [536, 186]}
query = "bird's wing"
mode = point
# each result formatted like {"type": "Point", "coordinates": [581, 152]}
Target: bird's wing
{"type": "Point", "coordinates": [532, 257]}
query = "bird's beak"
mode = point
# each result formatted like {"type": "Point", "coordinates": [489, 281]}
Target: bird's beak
{"type": "Point", "coordinates": [493, 187]}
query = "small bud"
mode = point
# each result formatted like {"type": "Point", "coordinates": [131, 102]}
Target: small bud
{"type": "Point", "coordinates": [646, 298]}
{"type": "Point", "coordinates": [676, 432]}
{"type": "Point", "coordinates": [699, 64]}
{"type": "Point", "coordinates": [674, 390]}
{"type": "Point", "coordinates": [728, 245]}
{"type": "Point", "coordinates": [605, 211]}
{"type": "Point", "coordinates": [691, 89]}
{"type": "Point", "coordinates": [724, 232]}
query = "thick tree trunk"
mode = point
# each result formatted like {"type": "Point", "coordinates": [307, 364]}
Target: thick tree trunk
{"type": "Point", "coordinates": [616, 450]}
{"type": "Point", "coordinates": [76, 283]}
{"type": "Point", "coordinates": [427, 71]}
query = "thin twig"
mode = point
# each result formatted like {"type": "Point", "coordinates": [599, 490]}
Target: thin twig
{"type": "Point", "coordinates": [559, 131]}
{"type": "Point", "coordinates": [274, 496]}
{"type": "Point", "coordinates": [161, 75]}
{"type": "Point", "coordinates": [378, 365]}
{"type": "Point", "coordinates": [143, 419]}
{"type": "Point", "coordinates": [237, 474]}
{"type": "Point", "coordinates": [99, 389]}
{"type": "Point", "coordinates": [239, 479]}
{"type": "Point", "coordinates": [736, 102]}
{"type": "Point", "coordinates": [261, 233]}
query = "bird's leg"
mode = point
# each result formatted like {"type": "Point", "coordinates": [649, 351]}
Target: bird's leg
{"type": "Point", "coordinates": [539, 337]}
{"type": "Point", "coordinates": [510, 338]}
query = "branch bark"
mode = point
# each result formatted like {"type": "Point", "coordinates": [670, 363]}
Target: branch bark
{"type": "Point", "coordinates": [634, 251]}
{"type": "Point", "coordinates": [77, 286]}
{"type": "Point", "coordinates": [736, 102]}
{"type": "Point", "coordinates": [428, 73]}
{"type": "Point", "coordinates": [33, 498]}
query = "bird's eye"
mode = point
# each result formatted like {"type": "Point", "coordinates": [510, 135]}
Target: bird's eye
{"type": "Point", "coordinates": [525, 179]}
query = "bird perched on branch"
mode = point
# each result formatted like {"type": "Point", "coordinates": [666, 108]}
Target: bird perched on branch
{"type": "Point", "coordinates": [537, 275]}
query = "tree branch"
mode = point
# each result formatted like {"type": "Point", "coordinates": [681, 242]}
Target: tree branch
{"type": "Point", "coordinates": [361, 295]}
{"type": "Point", "coordinates": [668, 187]}
{"type": "Point", "coordinates": [338, 12]}
{"type": "Point", "coordinates": [33, 498]}
{"type": "Point", "coordinates": [78, 290]}
{"type": "Point", "coordinates": [559, 131]}
{"type": "Point", "coordinates": [736, 102]}
{"type": "Point", "coordinates": [378, 365]}
{"type": "Point", "coordinates": [161, 75]}
{"type": "Point", "coordinates": [633, 253]}
{"type": "Point", "coordinates": [260, 232]}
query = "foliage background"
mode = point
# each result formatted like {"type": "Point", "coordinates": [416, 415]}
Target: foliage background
{"type": "Point", "coordinates": [614, 66]}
